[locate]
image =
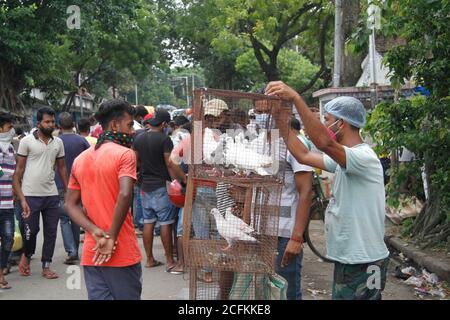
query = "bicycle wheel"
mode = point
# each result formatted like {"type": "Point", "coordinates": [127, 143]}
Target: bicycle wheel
{"type": "Point", "coordinates": [315, 230]}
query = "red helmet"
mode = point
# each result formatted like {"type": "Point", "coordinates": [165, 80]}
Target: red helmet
{"type": "Point", "coordinates": [148, 116]}
{"type": "Point", "coordinates": [176, 193]}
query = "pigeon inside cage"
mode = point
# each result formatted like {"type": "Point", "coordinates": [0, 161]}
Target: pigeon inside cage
{"type": "Point", "coordinates": [238, 136]}
{"type": "Point", "coordinates": [234, 227]}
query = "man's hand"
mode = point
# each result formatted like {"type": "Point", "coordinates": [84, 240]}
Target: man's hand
{"type": "Point", "coordinates": [26, 209]}
{"type": "Point", "coordinates": [104, 247]}
{"type": "Point", "coordinates": [282, 90]}
{"type": "Point", "coordinates": [293, 249]}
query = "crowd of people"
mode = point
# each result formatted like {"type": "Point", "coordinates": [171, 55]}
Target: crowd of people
{"type": "Point", "coordinates": [107, 177]}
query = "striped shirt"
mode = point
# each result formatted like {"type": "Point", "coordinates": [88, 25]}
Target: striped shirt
{"type": "Point", "coordinates": [224, 200]}
{"type": "Point", "coordinates": [289, 195]}
{"type": "Point", "coordinates": [8, 164]}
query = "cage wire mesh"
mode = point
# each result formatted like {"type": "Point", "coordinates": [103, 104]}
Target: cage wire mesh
{"type": "Point", "coordinates": [231, 213]}
{"type": "Point", "coordinates": [236, 136]}
{"type": "Point", "coordinates": [228, 285]}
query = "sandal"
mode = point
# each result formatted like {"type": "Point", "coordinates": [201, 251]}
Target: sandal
{"type": "Point", "coordinates": [6, 271]}
{"type": "Point", "coordinates": [155, 264]}
{"type": "Point", "coordinates": [4, 282]}
{"type": "Point", "coordinates": [24, 267]}
{"type": "Point", "coordinates": [48, 274]}
{"type": "Point", "coordinates": [169, 269]}
{"type": "Point", "coordinates": [176, 271]}
{"type": "Point", "coordinates": [4, 286]}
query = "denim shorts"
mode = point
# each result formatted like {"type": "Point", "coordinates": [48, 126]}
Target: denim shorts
{"type": "Point", "coordinates": [157, 207]}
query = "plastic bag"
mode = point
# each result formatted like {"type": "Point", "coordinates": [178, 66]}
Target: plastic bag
{"type": "Point", "coordinates": [252, 286]}
{"type": "Point", "coordinates": [18, 241]}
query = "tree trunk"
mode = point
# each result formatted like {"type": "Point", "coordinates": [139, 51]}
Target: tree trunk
{"type": "Point", "coordinates": [273, 74]}
{"type": "Point", "coordinates": [9, 90]}
{"type": "Point", "coordinates": [351, 63]}
{"type": "Point", "coordinates": [69, 100]}
{"type": "Point", "coordinates": [431, 225]}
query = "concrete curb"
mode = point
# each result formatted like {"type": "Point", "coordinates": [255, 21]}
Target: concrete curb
{"type": "Point", "coordinates": [440, 266]}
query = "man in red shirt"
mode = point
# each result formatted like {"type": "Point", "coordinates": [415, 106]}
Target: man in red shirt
{"type": "Point", "coordinates": [102, 178]}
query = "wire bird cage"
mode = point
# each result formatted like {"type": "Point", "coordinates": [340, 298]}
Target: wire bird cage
{"type": "Point", "coordinates": [236, 175]}
{"type": "Point", "coordinates": [236, 136]}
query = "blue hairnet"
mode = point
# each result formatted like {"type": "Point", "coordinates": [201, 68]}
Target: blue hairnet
{"type": "Point", "coordinates": [349, 109]}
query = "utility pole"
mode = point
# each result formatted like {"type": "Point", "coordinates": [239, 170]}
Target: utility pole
{"type": "Point", "coordinates": [136, 93]}
{"type": "Point", "coordinates": [80, 95]}
{"type": "Point", "coordinates": [192, 92]}
{"type": "Point", "coordinates": [187, 91]}
{"type": "Point", "coordinates": [337, 43]}
{"type": "Point", "coordinates": [373, 22]}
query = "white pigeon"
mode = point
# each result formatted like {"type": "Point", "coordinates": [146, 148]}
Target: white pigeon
{"type": "Point", "coordinates": [232, 219]}
{"type": "Point", "coordinates": [242, 155]}
{"type": "Point", "coordinates": [229, 231]}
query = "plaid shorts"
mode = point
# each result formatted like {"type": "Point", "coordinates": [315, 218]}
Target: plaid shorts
{"type": "Point", "coordinates": [359, 281]}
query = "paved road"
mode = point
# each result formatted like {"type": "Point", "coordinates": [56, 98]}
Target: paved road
{"type": "Point", "coordinates": [157, 284]}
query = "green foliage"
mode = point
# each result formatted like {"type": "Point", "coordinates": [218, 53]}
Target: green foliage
{"type": "Point", "coordinates": [295, 69]}
{"type": "Point", "coordinates": [117, 44]}
{"type": "Point", "coordinates": [239, 42]}
{"type": "Point", "coordinates": [28, 30]}
{"type": "Point", "coordinates": [425, 25]}
{"type": "Point", "coordinates": [421, 124]}
{"type": "Point", "coordinates": [407, 226]}
{"type": "Point", "coordinates": [165, 86]}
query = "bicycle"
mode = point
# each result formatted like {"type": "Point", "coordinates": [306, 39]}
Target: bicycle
{"type": "Point", "coordinates": [317, 213]}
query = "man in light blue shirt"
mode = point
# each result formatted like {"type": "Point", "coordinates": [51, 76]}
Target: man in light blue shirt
{"type": "Point", "coordinates": [354, 220]}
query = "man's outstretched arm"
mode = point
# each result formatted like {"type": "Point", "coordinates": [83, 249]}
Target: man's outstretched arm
{"type": "Point", "coordinates": [317, 132]}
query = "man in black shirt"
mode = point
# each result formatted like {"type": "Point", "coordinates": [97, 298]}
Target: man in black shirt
{"type": "Point", "coordinates": [153, 149]}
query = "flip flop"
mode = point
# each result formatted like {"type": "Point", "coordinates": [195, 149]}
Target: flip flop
{"type": "Point", "coordinates": [176, 271]}
{"type": "Point", "coordinates": [169, 269]}
{"type": "Point", "coordinates": [48, 274]}
{"type": "Point", "coordinates": [24, 269]}
{"type": "Point", "coordinates": [4, 286]}
{"type": "Point", "coordinates": [155, 264]}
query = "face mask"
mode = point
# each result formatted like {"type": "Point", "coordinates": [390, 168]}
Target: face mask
{"type": "Point", "coordinates": [331, 133]}
{"type": "Point", "coordinates": [7, 136]}
{"type": "Point", "coordinates": [261, 120]}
